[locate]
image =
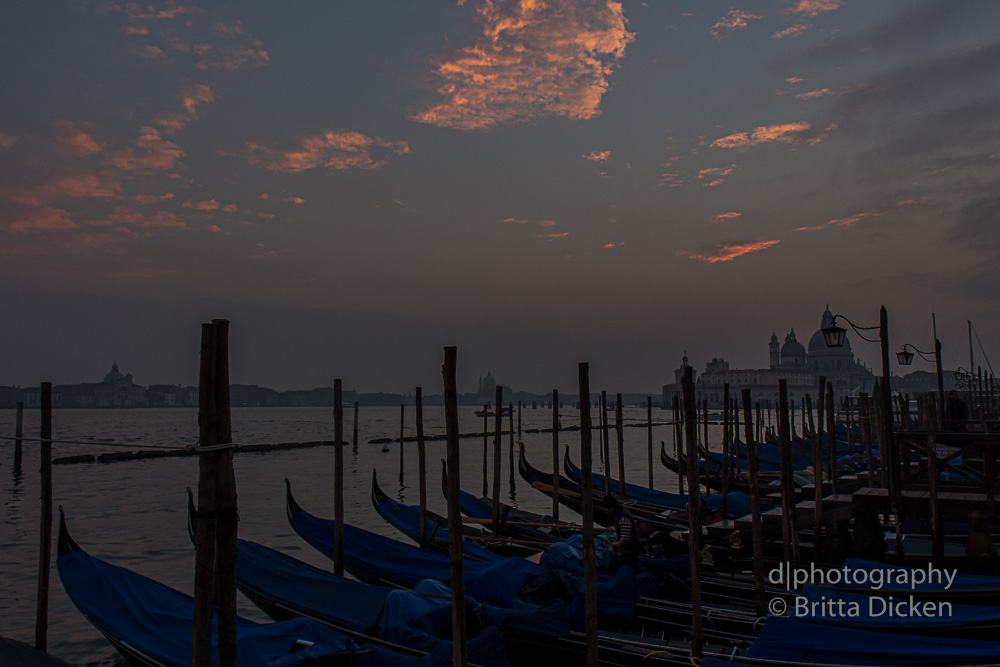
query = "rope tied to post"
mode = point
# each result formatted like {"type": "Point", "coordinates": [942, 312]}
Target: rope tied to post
{"type": "Point", "coordinates": [213, 448]}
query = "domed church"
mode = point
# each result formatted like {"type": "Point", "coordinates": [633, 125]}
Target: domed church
{"type": "Point", "coordinates": [792, 362]}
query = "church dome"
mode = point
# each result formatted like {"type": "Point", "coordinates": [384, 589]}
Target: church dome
{"type": "Point", "coordinates": [114, 375]}
{"type": "Point", "coordinates": [792, 351]}
{"type": "Point", "coordinates": [817, 343]}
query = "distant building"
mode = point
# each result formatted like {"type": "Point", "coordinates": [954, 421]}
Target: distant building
{"type": "Point", "coordinates": [800, 368]}
{"type": "Point", "coordinates": [114, 391]}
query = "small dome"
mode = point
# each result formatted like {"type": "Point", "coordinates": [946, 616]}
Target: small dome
{"type": "Point", "coordinates": [114, 375]}
{"type": "Point", "coordinates": [792, 351]}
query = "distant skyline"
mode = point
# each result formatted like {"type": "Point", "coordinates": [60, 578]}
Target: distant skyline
{"type": "Point", "coordinates": [356, 185]}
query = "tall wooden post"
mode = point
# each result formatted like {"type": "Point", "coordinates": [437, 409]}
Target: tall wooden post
{"type": "Point", "coordinates": [694, 509]}
{"type": "Point", "coordinates": [402, 432]}
{"type": "Point", "coordinates": [678, 444]}
{"type": "Point", "coordinates": [511, 449]}
{"type": "Point", "coordinates": [933, 477]}
{"type": "Point", "coordinates": [704, 414]}
{"type": "Point", "coordinates": [497, 429]}
{"type": "Point", "coordinates": [460, 656]}
{"type": "Point", "coordinates": [518, 422]}
{"type": "Point", "coordinates": [338, 477]}
{"type": "Point", "coordinates": [555, 454]}
{"type": "Point", "coordinates": [724, 468]}
{"type": "Point", "coordinates": [422, 463]}
{"type": "Point", "coordinates": [45, 528]}
{"type": "Point", "coordinates": [605, 440]}
{"type": "Point", "coordinates": [817, 478]}
{"type": "Point", "coordinates": [649, 438]}
{"type": "Point", "coordinates": [486, 446]}
{"type": "Point", "coordinates": [18, 433]}
{"type": "Point", "coordinates": [587, 513]}
{"type": "Point", "coordinates": [354, 441]}
{"type": "Point", "coordinates": [753, 470]}
{"type": "Point", "coordinates": [865, 426]}
{"type": "Point", "coordinates": [787, 482]}
{"type": "Point", "coordinates": [205, 538]}
{"type": "Point", "coordinates": [227, 522]}
{"type": "Point", "coordinates": [621, 446]}
{"type": "Point", "coordinates": [831, 429]}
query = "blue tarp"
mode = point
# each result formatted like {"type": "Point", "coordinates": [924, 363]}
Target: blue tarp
{"type": "Point", "coordinates": [156, 620]}
{"type": "Point", "coordinates": [406, 519]}
{"type": "Point", "coordinates": [800, 642]}
{"type": "Point", "coordinates": [886, 610]}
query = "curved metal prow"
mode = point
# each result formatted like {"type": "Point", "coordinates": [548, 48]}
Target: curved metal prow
{"type": "Point", "coordinates": [66, 542]}
{"type": "Point", "coordinates": [291, 507]}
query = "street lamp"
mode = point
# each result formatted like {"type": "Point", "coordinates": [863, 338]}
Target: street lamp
{"type": "Point", "coordinates": [833, 335]}
{"type": "Point", "coordinates": [905, 358]}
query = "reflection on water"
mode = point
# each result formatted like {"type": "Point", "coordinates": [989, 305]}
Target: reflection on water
{"type": "Point", "coordinates": [134, 513]}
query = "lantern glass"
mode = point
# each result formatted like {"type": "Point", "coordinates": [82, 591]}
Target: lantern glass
{"type": "Point", "coordinates": [834, 335]}
{"type": "Point", "coordinates": [904, 357]}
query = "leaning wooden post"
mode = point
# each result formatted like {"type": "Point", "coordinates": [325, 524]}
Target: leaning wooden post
{"type": "Point", "coordinates": [497, 428]}
{"type": "Point", "coordinates": [787, 483]}
{"type": "Point", "coordinates": [753, 470]}
{"type": "Point", "coordinates": [605, 440]}
{"type": "Point", "coordinates": [460, 657]}
{"type": "Point", "coordinates": [402, 431]}
{"type": "Point", "coordinates": [422, 464]}
{"type": "Point", "coordinates": [338, 477]}
{"type": "Point", "coordinates": [587, 513]}
{"type": "Point", "coordinates": [555, 454]}
{"type": "Point", "coordinates": [486, 446]}
{"type": "Point", "coordinates": [820, 430]}
{"type": "Point", "coordinates": [205, 518]}
{"type": "Point", "coordinates": [649, 438]}
{"type": "Point", "coordinates": [704, 410]}
{"type": "Point", "coordinates": [865, 424]}
{"type": "Point", "coordinates": [621, 447]}
{"type": "Point", "coordinates": [18, 433]}
{"type": "Point", "coordinates": [831, 430]}
{"type": "Point", "coordinates": [227, 523]}
{"type": "Point", "coordinates": [724, 468]}
{"type": "Point", "coordinates": [817, 478]}
{"type": "Point", "coordinates": [45, 537]}
{"type": "Point", "coordinates": [694, 509]}
{"type": "Point", "coordinates": [518, 423]}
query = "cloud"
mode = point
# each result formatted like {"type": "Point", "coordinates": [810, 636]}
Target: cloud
{"type": "Point", "coordinates": [822, 92]}
{"type": "Point", "coordinates": [135, 12]}
{"type": "Point", "coordinates": [792, 32]}
{"type": "Point", "coordinates": [40, 218]}
{"type": "Point", "coordinates": [152, 199]}
{"type": "Point", "coordinates": [81, 184]}
{"type": "Point", "coordinates": [191, 97]}
{"type": "Point", "coordinates": [729, 215]}
{"type": "Point", "coordinates": [727, 252]}
{"type": "Point", "coordinates": [736, 19]}
{"type": "Point", "coordinates": [852, 220]}
{"type": "Point", "coordinates": [7, 140]}
{"type": "Point", "coordinates": [715, 176]}
{"type": "Point", "coordinates": [787, 133]}
{"type": "Point", "coordinates": [811, 8]}
{"type": "Point", "coordinates": [123, 215]}
{"type": "Point", "coordinates": [532, 60]}
{"type": "Point", "coordinates": [335, 149]}
{"type": "Point", "coordinates": [152, 153]}
{"type": "Point", "coordinates": [147, 51]}
{"type": "Point", "coordinates": [209, 205]}
{"type": "Point", "coordinates": [595, 156]}
{"type": "Point", "coordinates": [612, 244]}
{"type": "Point", "coordinates": [75, 137]}
{"type": "Point", "coordinates": [295, 200]}
{"type": "Point", "coordinates": [232, 58]}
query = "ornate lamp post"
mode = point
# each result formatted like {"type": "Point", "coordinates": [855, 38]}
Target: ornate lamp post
{"type": "Point", "coordinates": [833, 335]}
{"type": "Point", "coordinates": [905, 358]}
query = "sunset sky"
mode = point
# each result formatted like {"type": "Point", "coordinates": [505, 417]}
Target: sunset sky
{"type": "Point", "coordinates": [357, 183]}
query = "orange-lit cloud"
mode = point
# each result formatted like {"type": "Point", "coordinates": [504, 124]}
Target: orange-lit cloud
{"type": "Point", "coordinates": [810, 8]}
{"type": "Point", "coordinates": [136, 12]}
{"type": "Point", "coordinates": [231, 58]}
{"type": "Point", "coordinates": [785, 133]}
{"type": "Point", "coordinates": [295, 200]}
{"type": "Point", "coordinates": [736, 19]}
{"type": "Point", "coordinates": [533, 60]}
{"type": "Point", "coordinates": [195, 95]}
{"type": "Point", "coordinates": [727, 252]}
{"type": "Point", "coordinates": [130, 218]}
{"type": "Point", "coordinates": [80, 184]}
{"type": "Point", "coordinates": [147, 51]}
{"type": "Point", "coordinates": [729, 215]}
{"type": "Point", "coordinates": [191, 97]}
{"type": "Point", "coordinates": [852, 220]}
{"type": "Point", "coordinates": [715, 176]}
{"type": "Point", "coordinates": [75, 137]}
{"type": "Point", "coordinates": [794, 80]}
{"type": "Point", "coordinates": [152, 199]}
{"type": "Point", "coordinates": [208, 205]}
{"type": "Point", "coordinates": [595, 156]}
{"type": "Point", "coordinates": [231, 208]}
{"type": "Point", "coordinates": [151, 153]}
{"type": "Point", "coordinates": [791, 32]}
{"type": "Point", "coordinates": [40, 218]}
{"type": "Point", "coordinates": [335, 149]}
{"type": "Point", "coordinates": [547, 223]}
{"type": "Point", "coordinates": [822, 92]}
{"type": "Point", "coordinates": [612, 244]}
{"type": "Point", "coordinates": [7, 140]}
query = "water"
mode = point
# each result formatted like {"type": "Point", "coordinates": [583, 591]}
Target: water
{"type": "Point", "coordinates": [134, 513]}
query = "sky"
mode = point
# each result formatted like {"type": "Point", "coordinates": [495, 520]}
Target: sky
{"type": "Point", "coordinates": [356, 184]}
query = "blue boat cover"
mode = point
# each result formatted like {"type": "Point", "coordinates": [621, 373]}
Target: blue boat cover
{"type": "Point", "coordinates": [900, 578]}
{"type": "Point", "coordinates": [474, 507]}
{"type": "Point", "coordinates": [18, 654]}
{"type": "Point", "coordinates": [495, 583]}
{"type": "Point", "coordinates": [799, 642]}
{"type": "Point", "coordinates": [156, 620]}
{"type": "Point", "coordinates": [406, 519]}
{"type": "Point", "coordinates": [857, 610]}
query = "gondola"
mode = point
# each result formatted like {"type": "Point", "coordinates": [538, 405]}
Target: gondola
{"type": "Point", "coordinates": [150, 624]}
{"type": "Point", "coordinates": [18, 654]}
{"type": "Point", "coordinates": [477, 543]}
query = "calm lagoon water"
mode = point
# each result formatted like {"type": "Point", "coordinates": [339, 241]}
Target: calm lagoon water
{"type": "Point", "coordinates": [133, 513]}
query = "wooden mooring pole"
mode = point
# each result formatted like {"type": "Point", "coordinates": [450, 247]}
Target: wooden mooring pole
{"type": "Point", "coordinates": [649, 438]}
{"type": "Point", "coordinates": [354, 442]}
{"type": "Point", "coordinates": [18, 434]}
{"type": "Point", "coordinates": [460, 656]}
{"type": "Point", "coordinates": [694, 509]}
{"type": "Point", "coordinates": [753, 470]}
{"type": "Point", "coordinates": [555, 454]}
{"type": "Point", "coordinates": [486, 447]}
{"type": "Point", "coordinates": [338, 477]}
{"type": "Point", "coordinates": [422, 465]}
{"type": "Point", "coordinates": [497, 428]}
{"type": "Point", "coordinates": [402, 433]}
{"type": "Point", "coordinates": [510, 460]}
{"type": "Point", "coordinates": [587, 500]}
{"type": "Point", "coordinates": [789, 535]}
{"type": "Point", "coordinates": [45, 518]}
{"type": "Point", "coordinates": [621, 447]}
{"type": "Point", "coordinates": [678, 443]}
